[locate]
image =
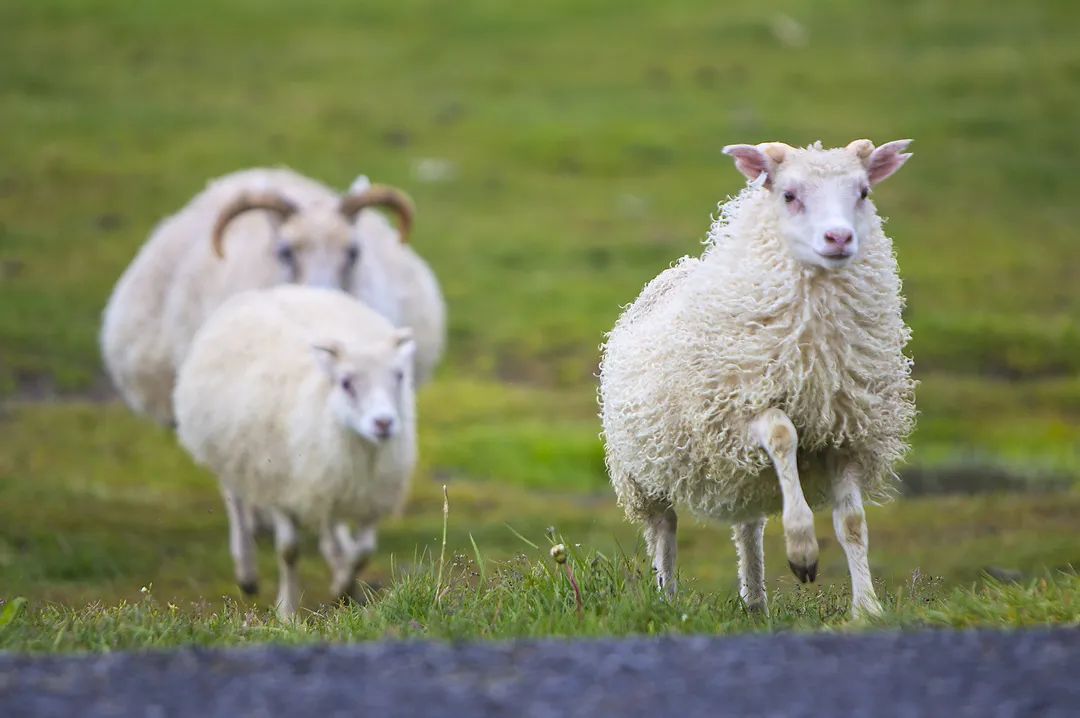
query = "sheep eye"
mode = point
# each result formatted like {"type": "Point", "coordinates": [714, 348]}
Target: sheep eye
{"type": "Point", "coordinates": [865, 191]}
{"type": "Point", "coordinates": [285, 254]}
{"type": "Point", "coordinates": [789, 197]}
{"type": "Point", "coordinates": [352, 254]}
{"type": "Point", "coordinates": [348, 387]}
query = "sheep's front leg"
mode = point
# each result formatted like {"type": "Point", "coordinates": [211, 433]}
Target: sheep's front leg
{"type": "Point", "coordinates": [849, 522]}
{"type": "Point", "coordinates": [347, 555]}
{"type": "Point", "coordinates": [660, 529]}
{"type": "Point", "coordinates": [333, 552]}
{"type": "Point", "coordinates": [288, 551]}
{"type": "Point", "coordinates": [776, 434]}
{"type": "Point", "coordinates": [358, 550]}
{"type": "Point", "coordinates": [241, 542]}
{"type": "Point", "coordinates": [749, 546]}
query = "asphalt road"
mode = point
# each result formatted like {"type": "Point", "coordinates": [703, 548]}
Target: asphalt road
{"type": "Point", "coordinates": [983, 674]}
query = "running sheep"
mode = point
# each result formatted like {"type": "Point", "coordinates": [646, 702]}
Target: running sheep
{"type": "Point", "coordinates": [769, 374]}
{"type": "Point", "coordinates": [300, 400]}
{"type": "Point", "coordinates": [254, 229]}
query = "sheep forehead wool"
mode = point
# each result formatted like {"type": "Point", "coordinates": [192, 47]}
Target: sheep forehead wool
{"type": "Point", "coordinates": [318, 225]}
{"type": "Point", "coordinates": [817, 162]}
{"type": "Point", "coordinates": [713, 342]}
{"type": "Point", "coordinates": [370, 363]}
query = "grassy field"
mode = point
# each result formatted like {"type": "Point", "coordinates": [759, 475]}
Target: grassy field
{"type": "Point", "coordinates": [578, 153]}
{"type": "Point", "coordinates": [608, 595]}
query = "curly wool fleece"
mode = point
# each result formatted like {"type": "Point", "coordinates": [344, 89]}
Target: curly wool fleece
{"type": "Point", "coordinates": [713, 341]}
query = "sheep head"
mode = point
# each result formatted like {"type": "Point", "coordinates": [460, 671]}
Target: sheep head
{"type": "Point", "coordinates": [370, 386]}
{"type": "Point", "coordinates": [818, 196]}
{"type": "Point", "coordinates": [315, 245]}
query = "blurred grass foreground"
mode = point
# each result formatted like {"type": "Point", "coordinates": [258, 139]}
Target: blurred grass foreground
{"type": "Point", "coordinates": [560, 155]}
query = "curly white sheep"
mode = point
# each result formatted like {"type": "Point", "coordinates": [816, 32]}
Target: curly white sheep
{"type": "Point", "coordinates": [768, 374]}
{"type": "Point", "coordinates": [301, 401]}
{"type": "Point", "coordinates": [254, 229]}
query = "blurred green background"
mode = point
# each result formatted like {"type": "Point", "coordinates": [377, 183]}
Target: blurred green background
{"type": "Point", "coordinates": [560, 154]}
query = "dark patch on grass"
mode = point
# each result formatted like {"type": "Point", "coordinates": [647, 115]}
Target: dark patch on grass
{"type": "Point", "coordinates": [31, 386]}
{"type": "Point", "coordinates": [984, 478]}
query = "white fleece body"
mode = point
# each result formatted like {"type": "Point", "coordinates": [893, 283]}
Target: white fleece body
{"type": "Point", "coordinates": [395, 281]}
{"type": "Point", "coordinates": [252, 406]}
{"type": "Point", "coordinates": [714, 341]}
{"type": "Point", "coordinates": [176, 281]}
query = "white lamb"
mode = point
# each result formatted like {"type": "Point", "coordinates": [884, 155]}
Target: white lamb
{"type": "Point", "coordinates": [301, 401]}
{"type": "Point", "coordinates": [769, 373]}
{"type": "Point", "coordinates": [254, 229]}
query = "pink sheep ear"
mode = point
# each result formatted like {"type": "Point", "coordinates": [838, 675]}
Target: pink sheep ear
{"type": "Point", "coordinates": [749, 160]}
{"type": "Point", "coordinates": [326, 354]}
{"type": "Point", "coordinates": [884, 161]}
{"type": "Point", "coordinates": [755, 160]}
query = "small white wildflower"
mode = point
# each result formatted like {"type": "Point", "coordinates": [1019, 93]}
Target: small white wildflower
{"type": "Point", "coordinates": [558, 552]}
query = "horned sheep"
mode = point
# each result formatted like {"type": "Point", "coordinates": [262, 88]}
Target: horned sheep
{"type": "Point", "coordinates": [769, 374]}
{"type": "Point", "coordinates": [254, 229]}
{"type": "Point", "coordinates": [301, 401]}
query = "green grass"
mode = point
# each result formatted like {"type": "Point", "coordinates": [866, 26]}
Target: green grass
{"type": "Point", "coordinates": [584, 140]}
{"type": "Point", "coordinates": [532, 597]}
{"type": "Point", "coordinates": [94, 506]}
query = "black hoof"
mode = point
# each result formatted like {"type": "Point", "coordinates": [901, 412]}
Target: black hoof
{"type": "Point", "coordinates": [757, 608]}
{"type": "Point", "coordinates": [802, 572]}
{"type": "Point", "coordinates": [355, 596]}
{"type": "Point", "coordinates": [811, 572]}
{"type": "Point", "coordinates": [249, 588]}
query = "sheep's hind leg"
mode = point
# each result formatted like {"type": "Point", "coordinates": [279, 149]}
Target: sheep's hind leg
{"type": "Point", "coordinates": [660, 528]}
{"type": "Point", "coordinates": [288, 551]}
{"type": "Point", "coordinates": [748, 545]}
{"type": "Point", "coordinates": [776, 434]}
{"type": "Point", "coordinates": [849, 522]}
{"type": "Point", "coordinates": [241, 542]}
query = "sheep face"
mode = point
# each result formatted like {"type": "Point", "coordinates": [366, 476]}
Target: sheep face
{"type": "Point", "coordinates": [819, 198]}
{"type": "Point", "coordinates": [314, 246]}
{"type": "Point", "coordinates": [371, 388]}
{"type": "Point", "coordinates": [318, 249]}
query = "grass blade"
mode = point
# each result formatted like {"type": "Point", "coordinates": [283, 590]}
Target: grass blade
{"type": "Point", "coordinates": [513, 531]}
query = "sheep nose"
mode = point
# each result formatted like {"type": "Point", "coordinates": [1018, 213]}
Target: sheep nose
{"type": "Point", "coordinates": [839, 238]}
{"type": "Point", "coordinates": [384, 425]}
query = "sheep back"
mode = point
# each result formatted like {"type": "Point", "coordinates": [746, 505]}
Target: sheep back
{"type": "Point", "coordinates": [395, 281]}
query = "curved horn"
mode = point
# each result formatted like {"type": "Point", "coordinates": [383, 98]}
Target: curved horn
{"type": "Point", "coordinates": [381, 196]}
{"type": "Point", "coordinates": [247, 201]}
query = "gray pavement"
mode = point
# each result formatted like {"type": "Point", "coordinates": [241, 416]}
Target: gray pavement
{"type": "Point", "coordinates": [1031, 673]}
